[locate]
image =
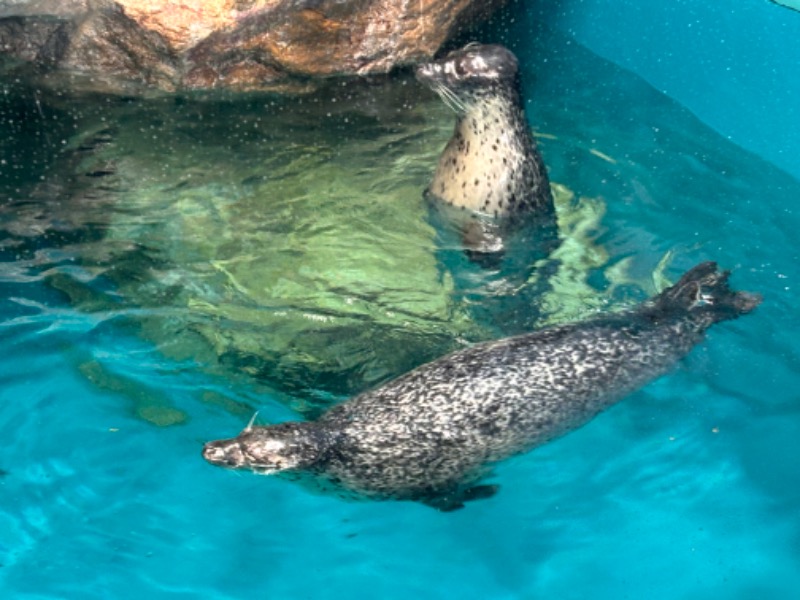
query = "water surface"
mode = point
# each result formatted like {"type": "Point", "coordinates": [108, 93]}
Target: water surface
{"type": "Point", "coordinates": [170, 266]}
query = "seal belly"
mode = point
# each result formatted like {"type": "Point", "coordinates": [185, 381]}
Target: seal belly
{"type": "Point", "coordinates": [481, 171]}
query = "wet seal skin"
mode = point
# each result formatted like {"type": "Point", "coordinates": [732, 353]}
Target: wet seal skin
{"type": "Point", "coordinates": [491, 168]}
{"type": "Point", "coordinates": [433, 434]}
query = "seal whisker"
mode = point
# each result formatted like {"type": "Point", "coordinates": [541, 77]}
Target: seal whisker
{"type": "Point", "coordinates": [450, 98]}
{"type": "Point", "coordinates": [252, 420]}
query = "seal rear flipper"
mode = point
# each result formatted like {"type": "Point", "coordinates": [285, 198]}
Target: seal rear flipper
{"type": "Point", "coordinates": [455, 499]}
{"type": "Point", "coordinates": [704, 293]}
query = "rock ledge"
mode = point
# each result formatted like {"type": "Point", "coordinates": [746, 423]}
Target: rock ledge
{"type": "Point", "coordinates": [277, 45]}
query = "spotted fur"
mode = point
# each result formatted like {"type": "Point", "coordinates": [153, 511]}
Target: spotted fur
{"type": "Point", "coordinates": [431, 434]}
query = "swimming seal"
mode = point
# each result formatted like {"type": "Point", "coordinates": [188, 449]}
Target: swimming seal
{"type": "Point", "coordinates": [491, 166]}
{"type": "Point", "coordinates": [432, 434]}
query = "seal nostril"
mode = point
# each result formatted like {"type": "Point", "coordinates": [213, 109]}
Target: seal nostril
{"type": "Point", "coordinates": [223, 453]}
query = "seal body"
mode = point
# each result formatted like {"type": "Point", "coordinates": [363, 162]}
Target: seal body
{"type": "Point", "coordinates": [433, 433]}
{"type": "Point", "coordinates": [491, 166]}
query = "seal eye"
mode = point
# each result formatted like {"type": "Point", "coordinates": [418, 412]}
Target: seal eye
{"type": "Point", "coordinates": [460, 68]}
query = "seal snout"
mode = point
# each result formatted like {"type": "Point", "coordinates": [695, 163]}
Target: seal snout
{"type": "Point", "coordinates": [223, 453]}
{"type": "Point", "coordinates": [425, 72]}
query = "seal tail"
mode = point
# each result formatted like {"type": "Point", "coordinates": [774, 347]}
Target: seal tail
{"type": "Point", "coordinates": [703, 292]}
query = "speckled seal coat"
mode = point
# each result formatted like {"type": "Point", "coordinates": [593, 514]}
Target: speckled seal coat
{"type": "Point", "coordinates": [431, 434]}
{"type": "Point", "coordinates": [491, 165]}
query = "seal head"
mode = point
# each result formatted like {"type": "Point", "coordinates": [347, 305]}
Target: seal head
{"type": "Point", "coordinates": [267, 451]}
{"type": "Point", "coordinates": [466, 75]}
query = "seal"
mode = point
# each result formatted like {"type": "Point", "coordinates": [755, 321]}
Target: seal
{"type": "Point", "coordinates": [432, 435]}
{"type": "Point", "coordinates": [491, 166]}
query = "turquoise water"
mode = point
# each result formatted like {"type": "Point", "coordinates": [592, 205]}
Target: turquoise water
{"type": "Point", "coordinates": [687, 489]}
{"type": "Point", "coordinates": [744, 78]}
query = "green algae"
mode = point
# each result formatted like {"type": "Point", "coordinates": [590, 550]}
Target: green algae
{"type": "Point", "coordinates": [289, 242]}
{"type": "Point", "coordinates": [148, 404]}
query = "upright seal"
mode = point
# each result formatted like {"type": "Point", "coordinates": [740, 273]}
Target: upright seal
{"type": "Point", "coordinates": [491, 166]}
{"type": "Point", "coordinates": [433, 433]}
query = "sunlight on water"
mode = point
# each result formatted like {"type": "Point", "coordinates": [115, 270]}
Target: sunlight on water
{"type": "Point", "coordinates": [288, 241]}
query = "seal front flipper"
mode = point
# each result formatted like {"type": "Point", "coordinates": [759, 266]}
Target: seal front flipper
{"type": "Point", "coordinates": [455, 499]}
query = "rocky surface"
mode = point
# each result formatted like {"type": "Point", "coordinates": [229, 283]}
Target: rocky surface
{"type": "Point", "coordinates": [278, 45]}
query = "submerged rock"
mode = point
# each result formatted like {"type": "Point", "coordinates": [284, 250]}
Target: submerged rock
{"type": "Point", "coordinates": [123, 45]}
{"type": "Point", "coordinates": [284, 241]}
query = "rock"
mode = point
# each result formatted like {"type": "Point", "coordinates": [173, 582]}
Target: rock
{"type": "Point", "coordinates": [276, 45]}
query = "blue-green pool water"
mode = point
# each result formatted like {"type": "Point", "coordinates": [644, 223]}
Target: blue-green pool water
{"type": "Point", "coordinates": [689, 488]}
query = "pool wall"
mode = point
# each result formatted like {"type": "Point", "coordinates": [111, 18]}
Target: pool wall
{"type": "Point", "coordinates": [736, 67]}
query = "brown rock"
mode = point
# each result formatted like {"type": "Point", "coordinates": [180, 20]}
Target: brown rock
{"type": "Point", "coordinates": [185, 24]}
{"type": "Point", "coordinates": [110, 44]}
{"type": "Point", "coordinates": [234, 44]}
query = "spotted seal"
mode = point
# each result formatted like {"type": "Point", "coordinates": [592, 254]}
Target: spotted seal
{"type": "Point", "coordinates": [491, 167]}
{"type": "Point", "coordinates": [432, 434]}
